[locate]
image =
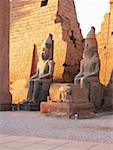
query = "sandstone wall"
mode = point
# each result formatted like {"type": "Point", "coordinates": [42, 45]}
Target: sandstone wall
{"type": "Point", "coordinates": [105, 46]}
{"type": "Point", "coordinates": [71, 34]}
{"type": "Point", "coordinates": [30, 24]}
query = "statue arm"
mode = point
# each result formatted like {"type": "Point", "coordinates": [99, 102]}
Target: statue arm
{"type": "Point", "coordinates": [97, 68]}
{"type": "Point", "coordinates": [96, 71]}
{"type": "Point", "coordinates": [80, 74]}
{"type": "Point", "coordinates": [36, 75]}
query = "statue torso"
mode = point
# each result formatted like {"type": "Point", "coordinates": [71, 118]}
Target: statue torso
{"type": "Point", "coordinates": [89, 65]}
{"type": "Point", "coordinates": [43, 67]}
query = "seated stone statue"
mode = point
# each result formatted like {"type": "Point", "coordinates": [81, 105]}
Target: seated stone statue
{"type": "Point", "coordinates": [90, 65]}
{"type": "Point", "coordinates": [89, 68]}
{"type": "Point", "coordinates": [88, 76]}
{"type": "Point", "coordinates": [40, 82]}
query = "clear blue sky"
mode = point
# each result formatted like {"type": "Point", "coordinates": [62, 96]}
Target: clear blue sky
{"type": "Point", "coordinates": [91, 13]}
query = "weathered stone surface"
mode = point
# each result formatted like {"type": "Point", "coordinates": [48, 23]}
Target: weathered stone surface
{"type": "Point", "coordinates": [96, 94]}
{"type": "Point", "coordinates": [105, 49]}
{"type": "Point", "coordinates": [86, 115]}
{"type": "Point", "coordinates": [77, 95]}
{"type": "Point", "coordinates": [5, 96]}
{"type": "Point", "coordinates": [65, 109]}
{"type": "Point", "coordinates": [30, 25]}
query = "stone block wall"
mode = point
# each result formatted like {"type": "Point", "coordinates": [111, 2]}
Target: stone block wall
{"type": "Point", "coordinates": [30, 24]}
{"type": "Point", "coordinates": [105, 47]}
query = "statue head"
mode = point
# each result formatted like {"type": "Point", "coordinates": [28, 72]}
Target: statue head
{"type": "Point", "coordinates": [50, 35]}
{"type": "Point", "coordinates": [88, 53]}
{"type": "Point", "coordinates": [47, 43]}
{"type": "Point", "coordinates": [93, 28]}
{"type": "Point", "coordinates": [45, 54]}
{"type": "Point", "coordinates": [91, 33]}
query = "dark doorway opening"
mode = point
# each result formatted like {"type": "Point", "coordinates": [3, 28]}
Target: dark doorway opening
{"type": "Point", "coordinates": [44, 3]}
{"type": "Point", "coordinates": [34, 61]}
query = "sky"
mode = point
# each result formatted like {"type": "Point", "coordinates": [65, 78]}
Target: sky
{"type": "Point", "coordinates": [91, 13]}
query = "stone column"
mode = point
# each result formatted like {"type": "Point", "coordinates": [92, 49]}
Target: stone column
{"type": "Point", "coordinates": [5, 96]}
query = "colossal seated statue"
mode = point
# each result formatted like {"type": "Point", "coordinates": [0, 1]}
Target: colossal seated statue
{"type": "Point", "coordinates": [40, 82]}
{"type": "Point", "coordinates": [89, 67]}
{"type": "Point", "coordinates": [88, 76]}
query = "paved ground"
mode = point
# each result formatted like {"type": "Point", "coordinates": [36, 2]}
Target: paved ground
{"type": "Point", "coordinates": [32, 131]}
{"type": "Point", "coordinates": [35, 143]}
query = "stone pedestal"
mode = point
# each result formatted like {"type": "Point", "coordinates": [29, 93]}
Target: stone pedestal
{"type": "Point", "coordinates": [5, 96]}
{"type": "Point", "coordinates": [29, 107]}
{"type": "Point", "coordinates": [77, 95]}
{"type": "Point", "coordinates": [66, 109]}
{"type": "Point", "coordinates": [74, 101]}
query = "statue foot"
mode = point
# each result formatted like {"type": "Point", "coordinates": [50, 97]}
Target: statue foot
{"type": "Point", "coordinates": [26, 101]}
{"type": "Point", "coordinates": [30, 101]}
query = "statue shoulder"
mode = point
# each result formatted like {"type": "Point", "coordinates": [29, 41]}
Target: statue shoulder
{"type": "Point", "coordinates": [51, 62]}
{"type": "Point", "coordinates": [96, 58]}
{"type": "Point", "coordinates": [39, 63]}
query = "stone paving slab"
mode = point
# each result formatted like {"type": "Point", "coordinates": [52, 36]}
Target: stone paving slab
{"type": "Point", "coordinates": [36, 143]}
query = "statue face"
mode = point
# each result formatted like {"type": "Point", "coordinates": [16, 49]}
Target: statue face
{"type": "Point", "coordinates": [45, 54]}
{"type": "Point", "coordinates": [88, 54]}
